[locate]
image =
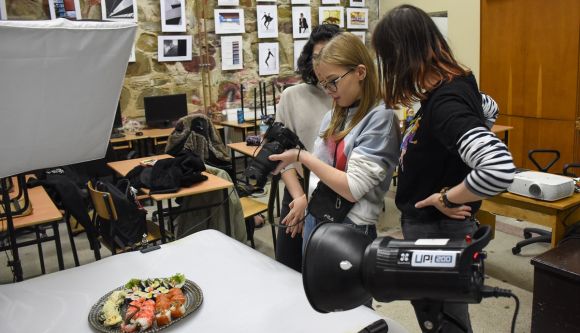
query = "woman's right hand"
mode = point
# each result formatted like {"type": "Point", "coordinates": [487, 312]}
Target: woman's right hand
{"type": "Point", "coordinates": [286, 158]}
{"type": "Point", "coordinates": [294, 220]}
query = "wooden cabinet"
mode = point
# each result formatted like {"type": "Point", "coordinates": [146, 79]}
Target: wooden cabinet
{"type": "Point", "coordinates": [530, 65]}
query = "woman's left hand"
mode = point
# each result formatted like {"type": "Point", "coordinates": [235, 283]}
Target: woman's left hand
{"type": "Point", "coordinates": [460, 213]}
{"type": "Point", "coordinates": [286, 158]}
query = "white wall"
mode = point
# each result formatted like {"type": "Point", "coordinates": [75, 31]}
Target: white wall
{"type": "Point", "coordinates": [463, 25]}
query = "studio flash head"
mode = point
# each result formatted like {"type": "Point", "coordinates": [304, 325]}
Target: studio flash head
{"type": "Point", "coordinates": [343, 268]}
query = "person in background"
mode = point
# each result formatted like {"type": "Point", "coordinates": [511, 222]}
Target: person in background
{"type": "Point", "coordinates": [358, 146]}
{"type": "Point", "coordinates": [301, 109]}
{"type": "Point", "coordinates": [450, 160]}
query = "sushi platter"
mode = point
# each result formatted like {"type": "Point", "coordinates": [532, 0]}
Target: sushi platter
{"type": "Point", "coordinates": [145, 306]}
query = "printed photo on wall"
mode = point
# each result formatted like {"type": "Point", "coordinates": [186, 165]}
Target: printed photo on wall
{"type": "Point", "coordinates": [119, 10]}
{"type": "Point", "coordinates": [298, 46]}
{"type": "Point", "coordinates": [268, 58]}
{"type": "Point", "coordinates": [357, 3]}
{"type": "Point", "coordinates": [301, 22]}
{"type": "Point", "coordinates": [330, 2]}
{"type": "Point", "coordinates": [266, 1]}
{"type": "Point", "coordinates": [331, 15]}
{"type": "Point", "coordinates": [174, 48]}
{"type": "Point", "coordinates": [173, 15]}
{"type": "Point", "coordinates": [357, 18]}
{"type": "Point", "coordinates": [229, 21]}
{"type": "Point", "coordinates": [300, 2]}
{"type": "Point", "coordinates": [132, 56]}
{"type": "Point", "coordinates": [267, 20]}
{"type": "Point", "coordinates": [3, 15]}
{"type": "Point", "coordinates": [228, 2]}
{"type": "Point", "coordinates": [360, 34]}
{"type": "Point", "coordinates": [69, 9]}
{"type": "Point", "coordinates": [232, 53]}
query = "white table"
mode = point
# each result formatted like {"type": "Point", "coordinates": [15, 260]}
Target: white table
{"type": "Point", "coordinates": [243, 290]}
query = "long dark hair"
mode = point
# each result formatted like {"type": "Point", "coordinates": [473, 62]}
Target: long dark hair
{"type": "Point", "coordinates": [321, 33]}
{"type": "Point", "coordinates": [413, 56]}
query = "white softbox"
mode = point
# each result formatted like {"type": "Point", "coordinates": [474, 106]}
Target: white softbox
{"type": "Point", "coordinates": [60, 82]}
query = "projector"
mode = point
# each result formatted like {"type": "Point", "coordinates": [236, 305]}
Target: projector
{"type": "Point", "coordinates": [542, 186]}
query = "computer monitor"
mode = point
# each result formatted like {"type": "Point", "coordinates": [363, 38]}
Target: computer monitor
{"type": "Point", "coordinates": [164, 111]}
{"type": "Point", "coordinates": [117, 131]}
{"type": "Point", "coordinates": [118, 119]}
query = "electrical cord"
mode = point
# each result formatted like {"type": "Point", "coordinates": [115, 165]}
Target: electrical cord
{"type": "Point", "coordinates": [487, 291]}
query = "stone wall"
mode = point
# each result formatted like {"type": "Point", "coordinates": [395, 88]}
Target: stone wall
{"type": "Point", "coordinates": [146, 76]}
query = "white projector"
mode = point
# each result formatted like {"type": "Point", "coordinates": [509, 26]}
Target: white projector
{"type": "Point", "coordinates": [541, 185]}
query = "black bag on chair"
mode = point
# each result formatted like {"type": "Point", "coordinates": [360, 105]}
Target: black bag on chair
{"type": "Point", "coordinates": [327, 205]}
{"type": "Point", "coordinates": [131, 217]}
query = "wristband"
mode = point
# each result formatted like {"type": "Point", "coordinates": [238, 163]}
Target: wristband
{"type": "Point", "coordinates": [443, 199]}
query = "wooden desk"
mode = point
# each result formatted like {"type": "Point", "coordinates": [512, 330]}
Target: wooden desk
{"type": "Point", "coordinates": [157, 136]}
{"type": "Point", "coordinates": [213, 183]}
{"type": "Point", "coordinates": [555, 214]}
{"type": "Point", "coordinates": [43, 212]}
{"type": "Point", "coordinates": [557, 289]}
{"type": "Point", "coordinates": [498, 129]}
{"type": "Point", "coordinates": [243, 126]}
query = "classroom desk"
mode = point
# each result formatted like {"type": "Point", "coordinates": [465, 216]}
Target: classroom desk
{"type": "Point", "coordinates": [243, 126]}
{"type": "Point", "coordinates": [213, 183]}
{"type": "Point", "coordinates": [155, 136]}
{"type": "Point", "coordinates": [243, 291]}
{"type": "Point", "coordinates": [556, 215]}
{"type": "Point", "coordinates": [498, 129]}
{"type": "Point", "coordinates": [44, 212]}
{"type": "Point", "coordinates": [244, 149]}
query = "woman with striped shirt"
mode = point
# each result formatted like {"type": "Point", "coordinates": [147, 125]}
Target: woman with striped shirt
{"type": "Point", "coordinates": [449, 160]}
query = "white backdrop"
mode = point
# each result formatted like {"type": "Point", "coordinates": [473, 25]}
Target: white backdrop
{"type": "Point", "coordinates": [60, 82]}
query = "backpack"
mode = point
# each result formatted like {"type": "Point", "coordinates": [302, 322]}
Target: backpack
{"type": "Point", "coordinates": [131, 216]}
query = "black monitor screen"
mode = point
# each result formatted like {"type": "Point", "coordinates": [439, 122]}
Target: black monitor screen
{"type": "Point", "coordinates": [163, 111]}
{"type": "Point", "coordinates": [118, 120]}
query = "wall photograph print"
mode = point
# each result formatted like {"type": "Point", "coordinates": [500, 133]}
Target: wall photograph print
{"type": "Point", "coordinates": [267, 20]}
{"type": "Point", "coordinates": [232, 53]}
{"type": "Point", "coordinates": [300, 2]}
{"type": "Point", "coordinates": [331, 15]}
{"type": "Point", "coordinates": [173, 15]}
{"type": "Point", "coordinates": [64, 8]}
{"type": "Point", "coordinates": [229, 21]}
{"type": "Point", "coordinates": [357, 3]}
{"type": "Point", "coordinates": [359, 34]}
{"type": "Point", "coordinates": [268, 58]}
{"type": "Point", "coordinates": [3, 15]}
{"type": "Point", "coordinates": [228, 2]}
{"type": "Point", "coordinates": [174, 48]}
{"type": "Point", "coordinates": [125, 10]}
{"type": "Point", "coordinates": [330, 2]}
{"type": "Point", "coordinates": [301, 22]}
{"type": "Point", "coordinates": [357, 18]}
{"type": "Point", "coordinates": [298, 46]}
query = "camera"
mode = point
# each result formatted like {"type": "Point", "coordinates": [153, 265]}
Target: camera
{"type": "Point", "coordinates": [278, 138]}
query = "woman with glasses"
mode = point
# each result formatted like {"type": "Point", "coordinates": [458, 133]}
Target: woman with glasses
{"type": "Point", "coordinates": [301, 109]}
{"type": "Point", "coordinates": [449, 160]}
{"type": "Point", "coordinates": [358, 144]}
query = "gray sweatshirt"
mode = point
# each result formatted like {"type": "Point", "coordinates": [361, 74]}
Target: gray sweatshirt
{"type": "Point", "coordinates": [372, 153]}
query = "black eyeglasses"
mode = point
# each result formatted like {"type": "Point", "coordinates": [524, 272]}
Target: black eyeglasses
{"type": "Point", "coordinates": [331, 86]}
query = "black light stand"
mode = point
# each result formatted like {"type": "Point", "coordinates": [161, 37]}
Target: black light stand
{"type": "Point", "coordinates": [17, 266]}
{"type": "Point", "coordinates": [274, 97]}
{"type": "Point", "coordinates": [256, 111]}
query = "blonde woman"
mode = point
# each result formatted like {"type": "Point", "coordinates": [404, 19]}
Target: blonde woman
{"type": "Point", "coordinates": [358, 145]}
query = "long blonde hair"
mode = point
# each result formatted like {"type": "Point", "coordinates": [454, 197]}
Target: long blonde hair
{"type": "Point", "coordinates": [347, 50]}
